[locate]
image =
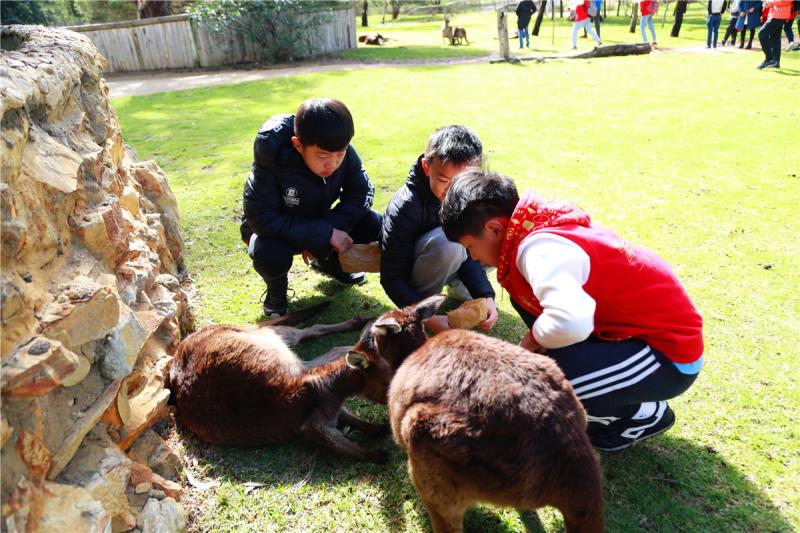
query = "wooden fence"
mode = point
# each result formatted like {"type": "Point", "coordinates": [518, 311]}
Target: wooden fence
{"type": "Point", "coordinates": [177, 41]}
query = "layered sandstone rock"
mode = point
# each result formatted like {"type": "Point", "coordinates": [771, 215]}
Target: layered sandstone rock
{"type": "Point", "coordinates": [92, 306]}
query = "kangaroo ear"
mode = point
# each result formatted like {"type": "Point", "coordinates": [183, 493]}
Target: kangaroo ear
{"type": "Point", "coordinates": [389, 324]}
{"type": "Point", "coordinates": [357, 360]}
{"type": "Point", "coordinates": [427, 307]}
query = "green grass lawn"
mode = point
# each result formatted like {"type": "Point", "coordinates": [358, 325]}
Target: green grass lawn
{"type": "Point", "coordinates": [692, 155]}
{"type": "Point", "coordinates": [420, 37]}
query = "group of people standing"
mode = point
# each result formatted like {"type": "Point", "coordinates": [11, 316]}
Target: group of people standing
{"type": "Point", "coordinates": [773, 16]}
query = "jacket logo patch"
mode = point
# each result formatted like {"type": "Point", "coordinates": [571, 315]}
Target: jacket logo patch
{"type": "Point", "coordinates": [290, 197]}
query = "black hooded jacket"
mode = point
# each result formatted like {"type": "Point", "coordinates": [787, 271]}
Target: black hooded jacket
{"type": "Point", "coordinates": [412, 212]}
{"type": "Point", "coordinates": [284, 199]}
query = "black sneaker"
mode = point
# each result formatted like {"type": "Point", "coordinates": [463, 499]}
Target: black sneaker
{"type": "Point", "coordinates": [615, 439]}
{"type": "Point", "coordinates": [772, 64]}
{"type": "Point", "coordinates": [331, 267]}
{"type": "Point", "coordinates": [274, 300]}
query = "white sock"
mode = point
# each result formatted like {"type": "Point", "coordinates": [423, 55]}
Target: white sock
{"type": "Point", "coordinates": [646, 410]}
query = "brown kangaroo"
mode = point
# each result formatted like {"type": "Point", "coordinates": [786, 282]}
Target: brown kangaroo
{"type": "Point", "coordinates": [242, 385]}
{"type": "Point", "coordinates": [459, 34]}
{"type": "Point", "coordinates": [487, 421]}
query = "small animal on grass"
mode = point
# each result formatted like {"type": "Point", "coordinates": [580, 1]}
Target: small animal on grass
{"type": "Point", "coordinates": [447, 31]}
{"type": "Point", "coordinates": [483, 420]}
{"type": "Point", "coordinates": [243, 386]}
{"type": "Point", "coordinates": [460, 36]}
{"type": "Point", "coordinates": [374, 39]}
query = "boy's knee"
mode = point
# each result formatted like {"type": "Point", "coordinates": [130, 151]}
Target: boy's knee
{"type": "Point", "coordinates": [270, 256]}
{"type": "Point", "coordinates": [436, 244]}
{"type": "Point", "coordinates": [368, 228]}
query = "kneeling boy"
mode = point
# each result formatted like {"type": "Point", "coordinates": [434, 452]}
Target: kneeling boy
{"type": "Point", "coordinates": [417, 260]}
{"type": "Point", "coordinates": [612, 315]}
{"type": "Point", "coordinates": [303, 163]}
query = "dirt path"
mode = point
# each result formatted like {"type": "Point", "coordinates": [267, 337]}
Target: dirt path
{"type": "Point", "coordinates": [139, 84]}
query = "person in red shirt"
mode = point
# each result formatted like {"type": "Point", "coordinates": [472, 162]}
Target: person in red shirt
{"type": "Point", "coordinates": [613, 315]}
{"type": "Point", "coordinates": [648, 9]}
{"type": "Point", "coordinates": [582, 20]}
{"type": "Point", "coordinates": [778, 13]}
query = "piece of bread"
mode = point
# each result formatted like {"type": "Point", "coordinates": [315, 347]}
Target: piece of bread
{"type": "Point", "coordinates": [469, 314]}
{"type": "Point", "coordinates": [362, 258]}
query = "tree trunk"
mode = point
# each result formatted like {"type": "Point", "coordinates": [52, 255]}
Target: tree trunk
{"type": "Point", "coordinates": [539, 17]}
{"type": "Point", "coordinates": [153, 8]}
{"type": "Point", "coordinates": [364, 22]}
{"type": "Point", "coordinates": [395, 9]}
{"type": "Point", "coordinates": [619, 5]}
{"type": "Point", "coordinates": [680, 9]}
{"type": "Point", "coordinates": [634, 18]}
{"type": "Point", "coordinates": [561, 8]}
{"type": "Point", "coordinates": [502, 33]}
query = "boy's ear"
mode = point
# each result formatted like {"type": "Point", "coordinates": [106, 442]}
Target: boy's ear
{"type": "Point", "coordinates": [495, 225]}
{"type": "Point", "coordinates": [297, 144]}
{"type": "Point", "coordinates": [425, 167]}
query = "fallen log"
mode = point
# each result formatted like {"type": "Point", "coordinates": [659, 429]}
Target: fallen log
{"type": "Point", "coordinates": [609, 50]}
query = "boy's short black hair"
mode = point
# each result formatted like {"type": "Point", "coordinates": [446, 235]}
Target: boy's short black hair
{"type": "Point", "coordinates": [324, 122]}
{"type": "Point", "coordinates": [475, 197]}
{"type": "Point", "coordinates": [454, 144]}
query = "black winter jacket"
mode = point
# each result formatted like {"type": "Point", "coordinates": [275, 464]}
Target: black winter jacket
{"type": "Point", "coordinates": [412, 212]}
{"type": "Point", "coordinates": [524, 10]}
{"type": "Point", "coordinates": [284, 199]}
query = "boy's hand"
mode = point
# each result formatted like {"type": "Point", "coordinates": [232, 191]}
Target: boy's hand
{"type": "Point", "coordinates": [437, 323]}
{"type": "Point", "coordinates": [529, 343]}
{"type": "Point", "coordinates": [341, 241]}
{"type": "Point", "coordinates": [493, 315]}
{"type": "Point", "coordinates": [308, 257]}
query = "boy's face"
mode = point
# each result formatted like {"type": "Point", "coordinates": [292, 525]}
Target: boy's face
{"type": "Point", "coordinates": [321, 162]}
{"type": "Point", "coordinates": [440, 175]}
{"type": "Point", "coordinates": [485, 248]}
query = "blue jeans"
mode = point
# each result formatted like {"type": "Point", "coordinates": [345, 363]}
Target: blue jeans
{"type": "Point", "coordinates": [524, 33]}
{"type": "Point", "coordinates": [713, 27]}
{"type": "Point", "coordinates": [587, 25]}
{"type": "Point", "coordinates": [647, 20]}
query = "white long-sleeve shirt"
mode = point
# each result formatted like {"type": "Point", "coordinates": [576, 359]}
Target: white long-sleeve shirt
{"type": "Point", "coordinates": [556, 269]}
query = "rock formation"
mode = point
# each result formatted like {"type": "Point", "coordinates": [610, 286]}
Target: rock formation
{"type": "Point", "coordinates": [92, 300]}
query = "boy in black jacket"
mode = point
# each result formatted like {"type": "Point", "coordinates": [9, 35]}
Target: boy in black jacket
{"type": "Point", "coordinates": [302, 164]}
{"type": "Point", "coordinates": [417, 260]}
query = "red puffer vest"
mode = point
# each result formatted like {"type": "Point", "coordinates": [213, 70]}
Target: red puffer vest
{"type": "Point", "coordinates": [637, 293]}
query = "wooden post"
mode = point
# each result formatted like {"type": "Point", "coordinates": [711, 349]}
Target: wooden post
{"type": "Point", "coordinates": [502, 33]}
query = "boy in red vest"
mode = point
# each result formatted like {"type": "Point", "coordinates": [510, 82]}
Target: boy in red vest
{"type": "Point", "coordinates": [612, 315]}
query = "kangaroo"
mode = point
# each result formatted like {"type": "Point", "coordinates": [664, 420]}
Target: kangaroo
{"type": "Point", "coordinates": [447, 31]}
{"type": "Point", "coordinates": [243, 386]}
{"type": "Point", "coordinates": [487, 421]}
{"type": "Point", "coordinates": [459, 34]}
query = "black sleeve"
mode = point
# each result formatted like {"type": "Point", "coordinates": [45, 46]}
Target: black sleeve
{"type": "Point", "coordinates": [474, 278]}
{"type": "Point", "coordinates": [724, 7]}
{"type": "Point", "coordinates": [397, 251]}
{"type": "Point", "coordinates": [262, 210]}
{"type": "Point", "coordinates": [533, 8]}
{"type": "Point", "coordinates": [356, 196]}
